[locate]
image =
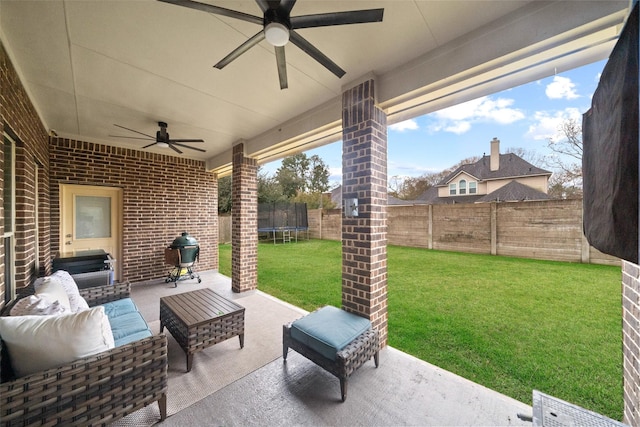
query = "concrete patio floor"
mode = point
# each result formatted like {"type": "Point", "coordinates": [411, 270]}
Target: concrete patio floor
{"type": "Point", "coordinates": [402, 391]}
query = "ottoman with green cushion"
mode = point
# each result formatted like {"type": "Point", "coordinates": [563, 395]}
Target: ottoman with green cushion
{"type": "Point", "coordinates": [338, 341]}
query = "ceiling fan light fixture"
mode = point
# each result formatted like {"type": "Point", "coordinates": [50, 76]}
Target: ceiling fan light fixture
{"type": "Point", "coordinates": [277, 34]}
{"type": "Point", "coordinates": [162, 144]}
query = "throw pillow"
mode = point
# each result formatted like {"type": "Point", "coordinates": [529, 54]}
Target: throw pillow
{"type": "Point", "coordinates": [36, 343]}
{"type": "Point", "coordinates": [76, 301]}
{"type": "Point", "coordinates": [51, 289]}
{"type": "Point", "coordinates": [37, 305]}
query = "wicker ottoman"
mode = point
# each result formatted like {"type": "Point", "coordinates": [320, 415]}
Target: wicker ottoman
{"type": "Point", "coordinates": [358, 349]}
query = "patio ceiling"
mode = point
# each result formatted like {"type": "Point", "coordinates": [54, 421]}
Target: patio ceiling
{"type": "Point", "coordinates": [88, 65]}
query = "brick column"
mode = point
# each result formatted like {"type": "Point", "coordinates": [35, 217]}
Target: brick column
{"type": "Point", "coordinates": [244, 222]}
{"type": "Point", "coordinates": [631, 342]}
{"type": "Point", "coordinates": [364, 176]}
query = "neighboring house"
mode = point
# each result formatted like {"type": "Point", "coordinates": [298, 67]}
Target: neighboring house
{"type": "Point", "coordinates": [498, 177]}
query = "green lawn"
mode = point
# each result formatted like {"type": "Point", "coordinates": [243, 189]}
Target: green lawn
{"type": "Point", "coordinates": [510, 324]}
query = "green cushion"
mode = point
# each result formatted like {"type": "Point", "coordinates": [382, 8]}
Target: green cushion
{"type": "Point", "coordinates": [328, 330]}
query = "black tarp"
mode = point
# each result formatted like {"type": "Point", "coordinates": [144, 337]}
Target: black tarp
{"type": "Point", "coordinates": [610, 152]}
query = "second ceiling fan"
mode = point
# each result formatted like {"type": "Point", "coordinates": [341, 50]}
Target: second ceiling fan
{"type": "Point", "coordinates": [278, 28]}
{"type": "Point", "coordinates": [162, 139]}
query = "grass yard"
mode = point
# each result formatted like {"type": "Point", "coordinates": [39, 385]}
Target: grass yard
{"type": "Point", "coordinates": [510, 324]}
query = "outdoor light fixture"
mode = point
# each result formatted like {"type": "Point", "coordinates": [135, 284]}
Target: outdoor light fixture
{"type": "Point", "coordinates": [276, 34]}
{"type": "Point", "coordinates": [350, 208]}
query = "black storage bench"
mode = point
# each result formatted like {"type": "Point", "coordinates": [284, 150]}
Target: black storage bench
{"type": "Point", "coordinates": [337, 341]}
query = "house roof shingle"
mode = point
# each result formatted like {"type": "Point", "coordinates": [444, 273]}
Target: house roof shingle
{"type": "Point", "coordinates": [511, 165]}
{"type": "Point", "coordinates": [514, 191]}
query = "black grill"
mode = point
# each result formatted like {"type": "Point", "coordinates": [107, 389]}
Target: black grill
{"type": "Point", "coordinates": [182, 254]}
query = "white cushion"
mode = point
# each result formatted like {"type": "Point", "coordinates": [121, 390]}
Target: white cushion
{"type": "Point", "coordinates": [51, 288]}
{"type": "Point", "coordinates": [36, 343]}
{"type": "Point", "coordinates": [37, 305]}
{"type": "Point", "coordinates": [76, 301]}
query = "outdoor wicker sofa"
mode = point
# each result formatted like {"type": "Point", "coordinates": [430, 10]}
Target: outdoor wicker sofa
{"type": "Point", "coordinates": [94, 390]}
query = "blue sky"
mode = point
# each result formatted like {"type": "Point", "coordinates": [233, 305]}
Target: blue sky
{"type": "Point", "coordinates": [522, 117]}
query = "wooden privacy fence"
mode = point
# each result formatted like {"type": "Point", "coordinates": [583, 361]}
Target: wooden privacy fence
{"type": "Point", "coordinates": [550, 229]}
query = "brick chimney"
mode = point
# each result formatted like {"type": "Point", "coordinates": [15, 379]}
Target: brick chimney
{"type": "Point", "coordinates": [495, 155]}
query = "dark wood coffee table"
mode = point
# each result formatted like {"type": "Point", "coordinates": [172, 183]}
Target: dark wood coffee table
{"type": "Point", "coordinates": [200, 319]}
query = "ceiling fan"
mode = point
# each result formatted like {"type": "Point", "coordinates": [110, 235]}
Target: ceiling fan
{"type": "Point", "coordinates": [162, 139]}
{"type": "Point", "coordinates": [279, 27]}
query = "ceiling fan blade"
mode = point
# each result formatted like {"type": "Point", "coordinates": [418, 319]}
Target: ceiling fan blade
{"type": "Point", "coordinates": [287, 4]}
{"type": "Point", "coordinates": [174, 148]}
{"type": "Point", "coordinates": [313, 52]}
{"type": "Point", "coordinates": [186, 140]}
{"type": "Point", "coordinates": [337, 18]}
{"type": "Point", "coordinates": [263, 5]}
{"type": "Point", "coordinates": [135, 131]}
{"type": "Point", "coordinates": [216, 10]}
{"type": "Point", "coordinates": [240, 50]}
{"type": "Point", "coordinates": [186, 146]}
{"type": "Point", "coordinates": [149, 145]}
{"type": "Point", "coordinates": [128, 137]}
{"type": "Point", "coordinates": [282, 67]}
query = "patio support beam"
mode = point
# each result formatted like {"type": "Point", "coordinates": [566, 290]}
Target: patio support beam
{"type": "Point", "coordinates": [364, 229]}
{"type": "Point", "coordinates": [244, 221]}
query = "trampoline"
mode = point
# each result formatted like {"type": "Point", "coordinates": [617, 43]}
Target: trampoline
{"type": "Point", "coordinates": [283, 220]}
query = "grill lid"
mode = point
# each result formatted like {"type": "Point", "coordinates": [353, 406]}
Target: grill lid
{"type": "Point", "coordinates": [184, 240]}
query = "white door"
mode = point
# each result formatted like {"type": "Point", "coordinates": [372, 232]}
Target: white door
{"type": "Point", "coordinates": [90, 218]}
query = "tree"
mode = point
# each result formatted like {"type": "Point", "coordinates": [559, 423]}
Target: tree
{"type": "Point", "coordinates": [291, 174]}
{"type": "Point", "coordinates": [269, 191]}
{"type": "Point", "coordinates": [224, 194]}
{"type": "Point", "coordinates": [313, 200]}
{"type": "Point", "coordinates": [566, 161]}
{"type": "Point", "coordinates": [319, 175]}
{"type": "Point", "coordinates": [300, 174]}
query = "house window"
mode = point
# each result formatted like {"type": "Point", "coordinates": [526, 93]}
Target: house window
{"type": "Point", "coordinates": [462, 186]}
{"type": "Point", "coordinates": [452, 189]}
{"type": "Point", "coordinates": [472, 187]}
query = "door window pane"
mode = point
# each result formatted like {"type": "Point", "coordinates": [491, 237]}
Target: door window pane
{"type": "Point", "coordinates": [93, 217]}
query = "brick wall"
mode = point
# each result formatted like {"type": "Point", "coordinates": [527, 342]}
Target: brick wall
{"type": "Point", "coordinates": [364, 176]}
{"type": "Point", "coordinates": [244, 228]}
{"type": "Point", "coordinates": [631, 341]}
{"type": "Point", "coordinates": [19, 118]}
{"type": "Point", "coordinates": [162, 196]}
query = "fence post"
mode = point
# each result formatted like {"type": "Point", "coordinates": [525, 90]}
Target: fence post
{"type": "Point", "coordinates": [494, 228]}
{"type": "Point", "coordinates": [430, 227]}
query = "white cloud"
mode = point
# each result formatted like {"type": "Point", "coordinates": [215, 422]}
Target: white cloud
{"type": "Point", "coordinates": [335, 174]}
{"type": "Point", "coordinates": [547, 124]}
{"type": "Point", "coordinates": [406, 169]}
{"type": "Point", "coordinates": [458, 127]}
{"type": "Point", "coordinates": [561, 88]}
{"type": "Point", "coordinates": [410, 124]}
{"type": "Point", "coordinates": [460, 118]}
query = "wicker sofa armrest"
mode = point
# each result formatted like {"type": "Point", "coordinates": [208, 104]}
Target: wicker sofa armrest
{"type": "Point", "coordinates": [95, 390]}
{"type": "Point", "coordinates": [101, 294]}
